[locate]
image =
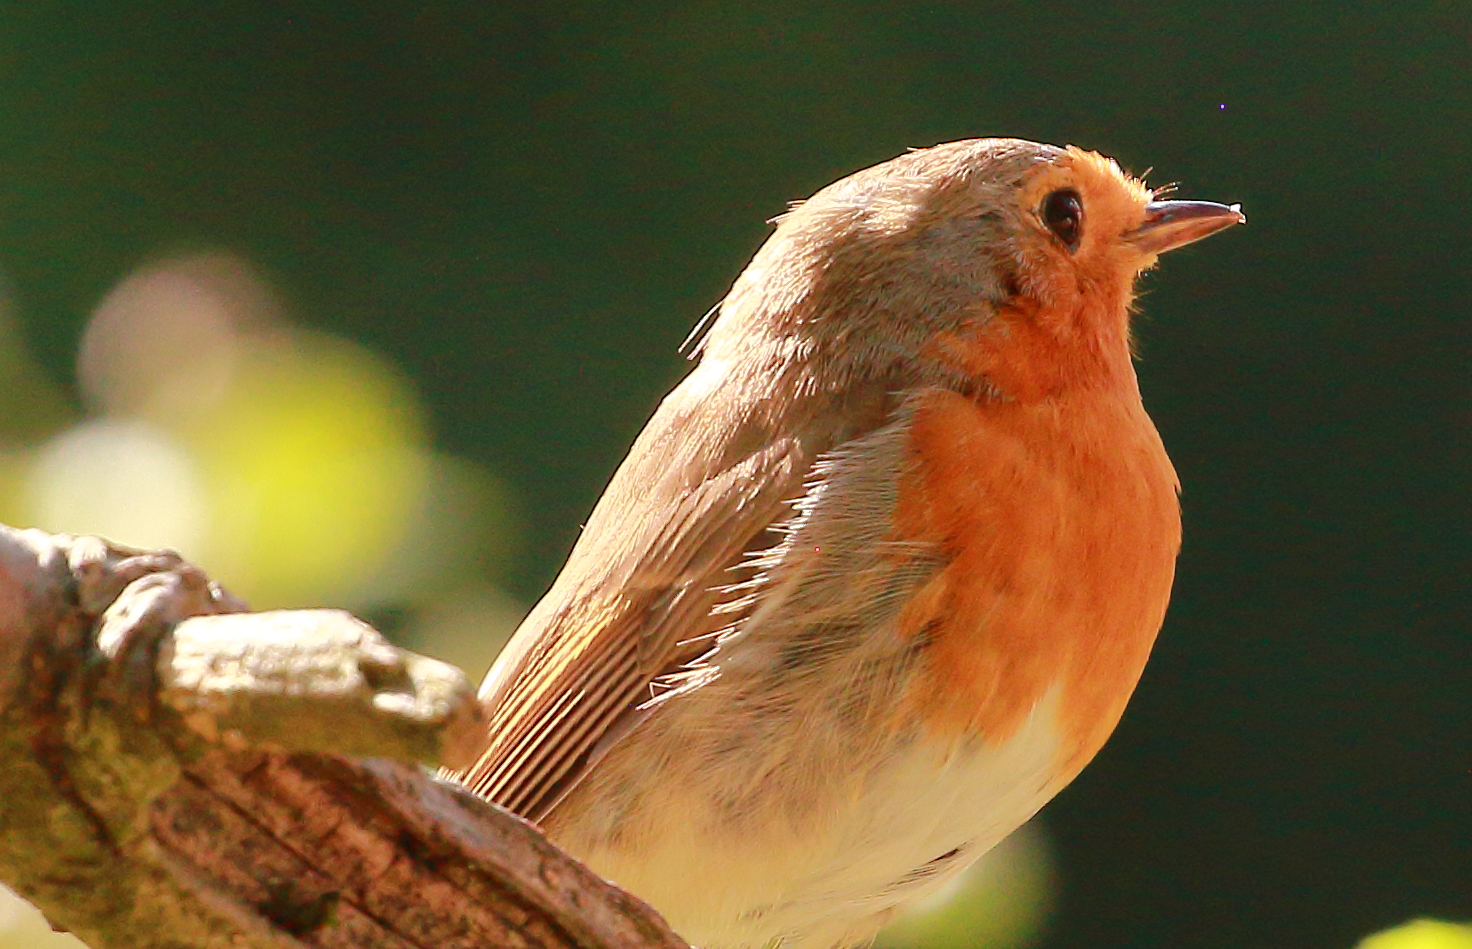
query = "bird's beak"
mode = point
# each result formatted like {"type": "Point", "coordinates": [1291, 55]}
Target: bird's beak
{"type": "Point", "coordinates": [1172, 224]}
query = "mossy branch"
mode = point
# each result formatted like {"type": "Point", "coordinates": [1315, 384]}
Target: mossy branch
{"type": "Point", "coordinates": [177, 772]}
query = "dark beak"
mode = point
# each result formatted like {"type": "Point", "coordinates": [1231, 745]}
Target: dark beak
{"type": "Point", "coordinates": [1172, 224]}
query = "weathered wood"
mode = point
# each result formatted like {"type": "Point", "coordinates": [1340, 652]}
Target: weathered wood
{"type": "Point", "coordinates": [176, 772]}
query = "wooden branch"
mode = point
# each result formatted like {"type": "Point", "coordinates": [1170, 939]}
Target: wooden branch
{"type": "Point", "coordinates": [176, 772]}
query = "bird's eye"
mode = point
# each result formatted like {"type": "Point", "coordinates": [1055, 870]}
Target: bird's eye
{"type": "Point", "coordinates": [1063, 213]}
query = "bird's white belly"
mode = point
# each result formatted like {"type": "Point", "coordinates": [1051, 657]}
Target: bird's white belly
{"type": "Point", "coordinates": [816, 860]}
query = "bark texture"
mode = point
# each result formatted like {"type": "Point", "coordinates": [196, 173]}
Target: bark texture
{"type": "Point", "coordinates": [177, 772]}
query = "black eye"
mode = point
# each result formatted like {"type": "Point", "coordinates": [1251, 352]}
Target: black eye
{"type": "Point", "coordinates": [1063, 213]}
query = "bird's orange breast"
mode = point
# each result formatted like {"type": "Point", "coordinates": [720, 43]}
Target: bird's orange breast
{"type": "Point", "coordinates": [1055, 505]}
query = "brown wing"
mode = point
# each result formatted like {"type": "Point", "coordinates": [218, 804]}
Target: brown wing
{"type": "Point", "coordinates": [654, 580]}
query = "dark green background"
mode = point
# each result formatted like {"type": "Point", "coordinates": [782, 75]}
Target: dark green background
{"type": "Point", "coordinates": [527, 206]}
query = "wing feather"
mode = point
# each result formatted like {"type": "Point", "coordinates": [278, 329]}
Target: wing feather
{"type": "Point", "coordinates": [661, 572]}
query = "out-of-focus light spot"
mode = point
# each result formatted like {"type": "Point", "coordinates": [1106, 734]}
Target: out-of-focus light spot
{"type": "Point", "coordinates": [316, 466]}
{"type": "Point", "coordinates": [293, 466]}
{"type": "Point", "coordinates": [163, 342]}
{"type": "Point", "coordinates": [1421, 934]}
{"type": "Point", "coordinates": [1000, 902]}
{"type": "Point", "coordinates": [126, 480]}
{"type": "Point", "coordinates": [462, 527]}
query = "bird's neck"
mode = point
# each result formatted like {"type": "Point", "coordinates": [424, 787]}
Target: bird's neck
{"type": "Point", "coordinates": [1027, 352]}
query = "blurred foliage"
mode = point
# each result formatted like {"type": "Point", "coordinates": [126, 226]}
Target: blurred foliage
{"type": "Point", "coordinates": [294, 463]}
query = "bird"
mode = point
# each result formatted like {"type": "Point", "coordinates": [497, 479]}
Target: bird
{"type": "Point", "coordinates": [878, 577]}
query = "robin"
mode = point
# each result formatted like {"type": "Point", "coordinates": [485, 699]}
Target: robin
{"type": "Point", "coordinates": [880, 574]}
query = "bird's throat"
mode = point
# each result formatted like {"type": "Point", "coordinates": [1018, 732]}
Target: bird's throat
{"type": "Point", "coordinates": [1029, 353]}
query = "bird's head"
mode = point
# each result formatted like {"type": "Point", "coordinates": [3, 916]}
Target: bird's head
{"type": "Point", "coordinates": [872, 267]}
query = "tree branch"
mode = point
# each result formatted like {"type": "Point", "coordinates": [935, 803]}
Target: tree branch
{"type": "Point", "coordinates": [180, 773]}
